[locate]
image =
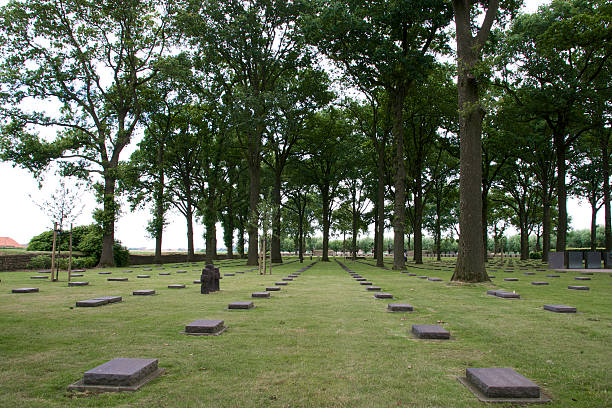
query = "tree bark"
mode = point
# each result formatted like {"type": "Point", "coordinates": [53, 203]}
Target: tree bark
{"type": "Point", "coordinates": [546, 223]}
{"type": "Point", "coordinates": [159, 205]}
{"type": "Point", "coordinates": [380, 205]}
{"type": "Point", "coordinates": [355, 221]}
{"type": "Point", "coordinates": [107, 257]}
{"type": "Point", "coordinates": [254, 180]}
{"type": "Point", "coordinates": [438, 226]}
{"type": "Point", "coordinates": [189, 219]}
{"type": "Point", "coordinates": [593, 223]}
{"type": "Point", "coordinates": [560, 149]}
{"type": "Point", "coordinates": [240, 243]}
{"type": "Point", "coordinates": [524, 237]}
{"type": "Point", "coordinates": [418, 221]}
{"type": "Point", "coordinates": [399, 208]}
{"type": "Point", "coordinates": [325, 200]}
{"type": "Point", "coordinates": [605, 169]}
{"type": "Point", "coordinates": [275, 244]}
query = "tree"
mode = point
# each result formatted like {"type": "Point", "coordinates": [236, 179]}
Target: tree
{"type": "Point", "coordinates": [91, 58]}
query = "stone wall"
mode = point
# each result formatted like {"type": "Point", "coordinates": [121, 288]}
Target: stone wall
{"type": "Point", "coordinates": [166, 259]}
{"type": "Point", "coordinates": [14, 262]}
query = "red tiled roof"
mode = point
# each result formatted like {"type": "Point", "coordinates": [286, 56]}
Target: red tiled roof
{"type": "Point", "coordinates": [6, 242]}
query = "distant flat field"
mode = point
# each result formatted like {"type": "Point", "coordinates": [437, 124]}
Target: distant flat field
{"type": "Point", "coordinates": [323, 340]}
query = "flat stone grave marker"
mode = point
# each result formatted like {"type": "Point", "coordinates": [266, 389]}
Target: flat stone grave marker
{"type": "Point", "coordinates": [110, 299]}
{"type": "Point", "coordinates": [273, 289]}
{"type": "Point", "coordinates": [91, 302]}
{"type": "Point", "coordinates": [260, 294]}
{"type": "Point", "coordinates": [205, 328]}
{"type": "Point", "coordinates": [507, 295]}
{"type": "Point", "coordinates": [25, 290]}
{"type": "Point", "coordinates": [360, 279]}
{"type": "Point", "coordinates": [365, 283]}
{"type": "Point", "coordinates": [181, 271]}
{"type": "Point", "coordinates": [240, 272]}
{"type": "Point", "coordinates": [76, 275]}
{"type": "Point", "coordinates": [587, 273]}
{"type": "Point", "coordinates": [399, 307]}
{"type": "Point", "coordinates": [287, 279]}
{"type": "Point", "coordinates": [501, 385]}
{"type": "Point", "coordinates": [553, 276]}
{"type": "Point", "coordinates": [39, 277]}
{"type": "Point", "coordinates": [539, 283]}
{"type": "Point", "coordinates": [422, 277]}
{"type": "Point", "coordinates": [143, 276]}
{"type": "Point", "coordinates": [434, 279]}
{"type": "Point", "coordinates": [411, 274]}
{"type": "Point", "coordinates": [44, 271]}
{"type": "Point", "coordinates": [143, 292]}
{"type": "Point", "coordinates": [147, 270]}
{"type": "Point", "coordinates": [373, 288]}
{"type": "Point", "coordinates": [493, 292]}
{"type": "Point", "coordinates": [578, 287]}
{"type": "Point", "coordinates": [560, 308]}
{"type": "Point", "coordinates": [574, 260]}
{"type": "Point", "coordinates": [176, 286]}
{"type": "Point", "coordinates": [241, 305]}
{"type": "Point", "coordinates": [511, 279]}
{"type": "Point", "coordinates": [529, 273]}
{"type": "Point", "coordinates": [197, 282]}
{"type": "Point", "coordinates": [582, 278]}
{"type": "Point", "coordinates": [430, 331]}
{"type": "Point", "coordinates": [164, 273]}
{"type": "Point", "coordinates": [229, 274]}
{"type": "Point", "coordinates": [117, 279]}
{"type": "Point", "coordinates": [104, 273]}
{"type": "Point", "coordinates": [127, 271]}
{"type": "Point", "coordinates": [78, 283]}
{"type": "Point", "coordinates": [383, 295]}
{"type": "Point", "coordinates": [119, 374]}
{"type": "Point", "coordinates": [281, 283]}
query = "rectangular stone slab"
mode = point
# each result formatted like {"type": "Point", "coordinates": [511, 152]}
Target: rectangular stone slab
{"type": "Point", "coordinates": [502, 383]}
{"type": "Point", "coordinates": [104, 273]}
{"type": "Point", "coordinates": [143, 276]}
{"type": "Point", "coordinates": [39, 277]}
{"type": "Point", "coordinates": [281, 283]}
{"type": "Point", "coordinates": [241, 305]}
{"type": "Point", "coordinates": [539, 283]}
{"type": "Point", "coordinates": [287, 279]}
{"type": "Point", "coordinates": [578, 287]}
{"type": "Point", "coordinates": [78, 283]}
{"type": "Point", "coordinates": [556, 260]}
{"type": "Point", "coordinates": [273, 289]}
{"type": "Point", "coordinates": [430, 331]}
{"type": "Point", "coordinates": [582, 278]}
{"type": "Point", "coordinates": [120, 372]}
{"type": "Point", "coordinates": [176, 286]}
{"type": "Point", "coordinates": [507, 295]}
{"type": "Point", "coordinates": [593, 260]}
{"type": "Point", "coordinates": [553, 276]}
{"type": "Point", "coordinates": [117, 279]}
{"type": "Point", "coordinates": [560, 308]}
{"type": "Point", "coordinates": [25, 290]}
{"type": "Point", "coordinates": [435, 279]}
{"type": "Point", "coordinates": [260, 294]}
{"type": "Point", "coordinates": [574, 260]}
{"type": "Point", "coordinates": [204, 326]}
{"type": "Point", "coordinates": [143, 292]}
{"type": "Point", "coordinates": [91, 303]}
{"type": "Point", "coordinates": [383, 295]}
{"type": "Point", "coordinates": [373, 288]}
{"type": "Point", "coordinates": [399, 307]}
{"type": "Point", "coordinates": [111, 299]}
{"type": "Point", "coordinates": [76, 275]}
{"type": "Point", "coordinates": [493, 292]}
{"type": "Point", "coordinates": [164, 273]}
{"type": "Point", "coordinates": [365, 283]}
{"type": "Point", "coordinates": [511, 279]}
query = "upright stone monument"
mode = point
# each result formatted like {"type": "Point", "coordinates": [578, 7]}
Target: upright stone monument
{"type": "Point", "coordinates": [593, 260]}
{"type": "Point", "coordinates": [210, 279]}
{"type": "Point", "coordinates": [556, 260]}
{"type": "Point", "coordinates": [574, 260]}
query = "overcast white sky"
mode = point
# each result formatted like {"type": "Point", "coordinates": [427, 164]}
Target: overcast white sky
{"type": "Point", "coordinates": [21, 219]}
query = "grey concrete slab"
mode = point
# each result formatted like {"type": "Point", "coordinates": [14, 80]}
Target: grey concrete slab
{"type": "Point", "coordinates": [241, 305]}
{"type": "Point", "coordinates": [205, 327]}
{"type": "Point", "coordinates": [121, 372]}
{"type": "Point", "coordinates": [573, 287]}
{"type": "Point", "coordinates": [575, 260]}
{"type": "Point", "coordinates": [399, 307]}
{"type": "Point", "coordinates": [560, 308]}
{"type": "Point", "coordinates": [24, 290]}
{"type": "Point", "coordinates": [177, 286]}
{"type": "Point", "coordinates": [502, 383]}
{"type": "Point", "coordinates": [143, 292]}
{"type": "Point", "coordinates": [556, 260]}
{"type": "Point", "coordinates": [260, 294]}
{"type": "Point", "coordinates": [373, 288]}
{"type": "Point", "coordinates": [383, 295]}
{"type": "Point", "coordinates": [78, 283]}
{"type": "Point", "coordinates": [430, 331]}
{"type": "Point", "coordinates": [593, 260]}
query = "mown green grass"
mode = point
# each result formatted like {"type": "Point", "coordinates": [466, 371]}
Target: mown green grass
{"type": "Point", "coordinates": [323, 341]}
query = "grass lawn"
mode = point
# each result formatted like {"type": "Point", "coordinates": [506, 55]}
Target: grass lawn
{"type": "Point", "coordinates": [322, 341]}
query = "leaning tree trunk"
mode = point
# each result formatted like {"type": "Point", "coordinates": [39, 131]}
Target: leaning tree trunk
{"type": "Point", "coordinates": [275, 245]}
{"type": "Point", "coordinates": [107, 257]}
{"type": "Point", "coordinates": [559, 141]}
{"type": "Point", "coordinates": [399, 208]}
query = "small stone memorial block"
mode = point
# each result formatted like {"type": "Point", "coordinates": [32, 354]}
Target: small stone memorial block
{"type": "Point", "coordinates": [78, 283]}
{"type": "Point", "coordinates": [117, 279]}
{"type": "Point", "coordinates": [502, 383]}
{"type": "Point", "coordinates": [91, 302]}
{"type": "Point", "coordinates": [360, 279]}
{"type": "Point", "coordinates": [553, 276]}
{"type": "Point", "coordinates": [511, 279]}
{"type": "Point", "coordinates": [373, 289]}
{"type": "Point", "coordinates": [578, 287]}
{"type": "Point", "coordinates": [39, 277]}
{"type": "Point", "coordinates": [76, 275]}
{"type": "Point", "coordinates": [273, 289]}
{"type": "Point", "coordinates": [507, 295]}
{"type": "Point", "coordinates": [281, 283]}
{"type": "Point", "coordinates": [229, 274]}
{"type": "Point", "coordinates": [574, 260]}
{"type": "Point", "coordinates": [25, 290]}
{"type": "Point", "coordinates": [147, 270]}
{"type": "Point", "coordinates": [287, 279]}
{"type": "Point", "coordinates": [399, 307]}
{"type": "Point", "coordinates": [143, 276]}
{"type": "Point", "coordinates": [205, 327]}
{"type": "Point", "coordinates": [430, 331]}
{"type": "Point", "coordinates": [181, 271]}
{"type": "Point", "coordinates": [422, 277]}
{"type": "Point", "coordinates": [365, 283]}
{"type": "Point", "coordinates": [127, 271]}
{"type": "Point", "coordinates": [560, 308]}
{"type": "Point", "coordinates": [143, 292]}
{"type": "Point", "coordinates": [556, 260]}
{"type": "Point", "coordinates": [529, 273]}
{"type": "Point", "coordinates": [241, 305]}
{"type": "Point", "coordinates": [119, 374]}
{"type": "Point", "coordinates": [539, 283]}
{"type": "Point", "coordinates": [260, 294]}
{"type": "Point", "coordinates": [104, 273]}
{"type": "Point", "coordinates": [493, 292]}
{"type": "Point", "coordinates": [164, 273]}
{"type": "Point", "coordinates": [582, 278]}
{"type": "Point", "coordinates": [593, 260]}
{"type": "Point", "coordinates": [176, 286]}
{"type": "Point", "coordinates": [435, 279]}
{"type": "Point", "coordinates": [110, 299]}
{"type": "Point", "coordinates": [45, 271]}
{"type": "Point", "coordinates": [383, 295]}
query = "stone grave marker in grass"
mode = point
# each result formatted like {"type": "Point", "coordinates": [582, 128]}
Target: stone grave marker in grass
{"type": "Point", "coordinates": [229, 274]}
{"type": "Point", "coordinates": [582, 278]}
{"type": "Point", "coordinates": [260, 294]}
{"type": "Point", "coordinates": [25, 290]}
{"type": "Point", "coordinates": [434, 279]}
{"type": "Point", "coordinates": [373, 288]}
{"type": "Point", "coordinates": [117, 279]}
{"type": "Point", "coordinates": [578, 287]}
{"type": "Point", "coordinates": [422, 277]}
{"type": "Point", "coordinates": [176, 286]}
{"type": "Point", "coordinates": [76, 275]}
{"type": "Point", "coordinates": [399, 307]}
{"type": "Point", "coordinates": [127, 271]}
{"type": "Point", "coordinates": [39, 277]}
{"type": "Point", "coordinates": [560, 308]}
{"type": "Point", "coordinates": [78, 283]}
{"type": "Point", "coordinates": [197, 282]}
{"type": "Point", "coordinates": [143, 276]}
{"type": "Point", "coordinates": [119, 374]}
{"type": "Point", "coordinates": [529, 273]}
{"type": "Point", "coordinates": [383, 295]}
{"type": "Point", "coordinates": [539, 283]}
{"type": "Point", "coordinates": [181, 271]}
{"type": "Point", "coordinates": [205, 328]}
{"type": "Point", "coordinates": [104, 273]}
{"type": "Point", "coordinates": [147, 270]}
{"type": "Point", "coordinates": [360, 279]}
{"type": "Point", "coordinates": [553, 276]}
{"type": "Point", "coordinates": [281, 283]}
{"type": "Point", "coordinates": [44, 271]}
{"type": "Point", "coordinates": [507, 295]}
{"type": "Point", "coordinates": [273, 289]}
{"type": "Point", "coordinates": [164, 273]}
{"type": "Point", "coordinates": [430, 331]}
{"type": "Point", "coordinates": [143, 292]}
{"type": "Point", "coordinates": [101, 301]}
{"type": "Point", "coordinates": [502, 385]}
{"type": "Point", "coordinates": [511, 279]}
{"type": "Point", "coordinates": [365, 283]}
{"type": "Point", "coordinates": [287, 279]}
{"type": "Point", "coordinates": [240, 305]}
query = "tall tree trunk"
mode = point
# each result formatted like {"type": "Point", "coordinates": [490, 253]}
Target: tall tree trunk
{"type": "Point", "coordinates": [399, 208]}
{"type": "Point", "coordinates": [228, 234]}
{"type": "Point", "coordinates": [355, 221]}
{"type": "Point", "coordinates": [559, 141]}
{"type": "Point", "coordinates": [301, 235]}
{"type": "Point", "coordinates": [189, 219]}
{"type": "Point", "coordinates": [254, 178]}
{"type": "Point", "coordinates": [107, 257]}
{"type": "Point", "coordinates": [240, 243]}
{"type": "Point", "coordinates": [159, 205]}
{"type": "Point", "coordinates": [546, 223]}
{"type": "Point", "coordinates": [275, 245]}
{"type": "Point", "coordinates": [211, 232]}
{"type": "Point", "coordinates": [418, 221]}
{"type": "Point", "coordinates": [485, 222]}
{"type": "Point", "coordinates": [325, 199]}
{"type": "Point", "coordinates": [524, 237]}
{"type": "Point", "coordinates": [380, 205]}
{"type": "Point", "coordinates": [605, 169]}
{"type": "Point", "coordinates": [593, 224]}
{"type": "Point", "coordinates": [375, 249]}
{"type": "Point", "coordinates": [438, 227]}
